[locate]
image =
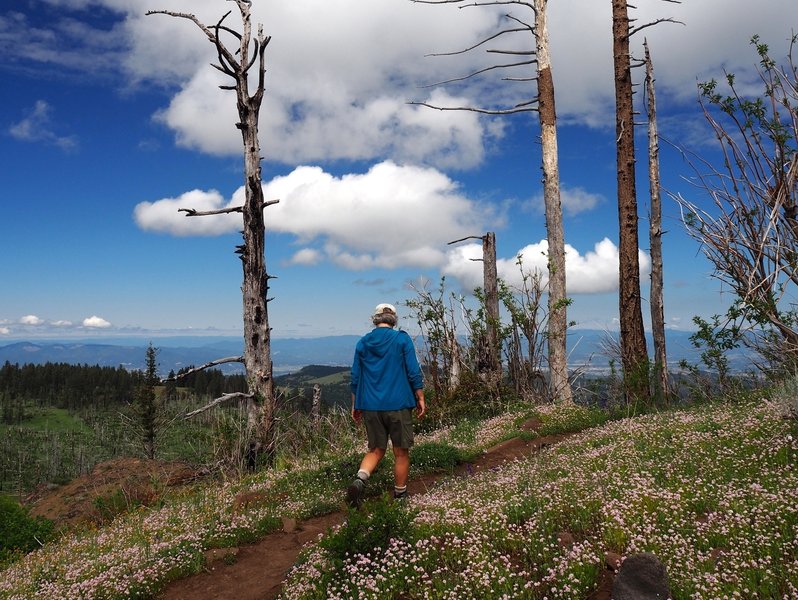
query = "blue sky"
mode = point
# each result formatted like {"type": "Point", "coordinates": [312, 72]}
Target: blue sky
{"type": "Point", "coordinates": [112, 120]}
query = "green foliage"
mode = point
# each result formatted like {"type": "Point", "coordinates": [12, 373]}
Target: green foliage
{"type": "Point", "coordinates": [751, 237]}
{"type": "Point", "coordinates": [716, 340]}
{"type": "Point", "coordinates": [19, 532]}
{"type": "Point", "coordinates": [471, 399]}
{"type": "Point", "coordinates": [434, 457]}
{"type": "Point", "coordinates": [569, 419]}
{"type": "Point", "coordinates": [147, 410]}
{"type": "Point", "coordinates": [366, 530]}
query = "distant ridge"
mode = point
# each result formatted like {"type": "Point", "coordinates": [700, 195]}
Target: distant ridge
{"type": "Point", "coordinates": [291, 354]}
{"type": "Point", "coordinates": [287, 354]}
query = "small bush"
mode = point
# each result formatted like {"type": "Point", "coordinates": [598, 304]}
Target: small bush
{"type": "Point", "coordinates": [433, 456]}
{"type": "Point", "coordinates": [19, 532]}
{"type": "Point", "coordinates": [366, 530]}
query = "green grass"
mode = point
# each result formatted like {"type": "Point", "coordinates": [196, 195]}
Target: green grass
{"type": "Point", "coordinates": [56, 420]}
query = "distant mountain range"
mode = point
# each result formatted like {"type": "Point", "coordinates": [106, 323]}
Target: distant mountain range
{"type": "Point", "coordinates": [291, 354]}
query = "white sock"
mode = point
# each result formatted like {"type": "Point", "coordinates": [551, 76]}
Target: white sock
{"type": "Point", "coordinates": [363, 474]}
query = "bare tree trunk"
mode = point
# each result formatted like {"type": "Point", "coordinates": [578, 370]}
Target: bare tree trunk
{"type": "Point", "coordinates": [255, 288]}
{"type": "Point", "coordinates": [558, 301]}
{"type": "Point", "coordinates": [633, 342]}
{"type": "Point", "coordinates": [261, 400]}
{"type": "Point", "coordinates": [491, 283]}
{"type": "Point", "coordinates": [655, 237]}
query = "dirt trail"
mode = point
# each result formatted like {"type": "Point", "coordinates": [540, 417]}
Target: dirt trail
{"type": "Point", "coordinates": [256, 571]}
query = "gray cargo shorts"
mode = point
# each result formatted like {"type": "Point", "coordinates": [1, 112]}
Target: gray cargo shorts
{"type": "Point", "coordinates": [382, 424]}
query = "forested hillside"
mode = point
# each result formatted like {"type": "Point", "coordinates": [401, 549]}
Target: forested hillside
{"type": "Point", "coordinates": [58, 420]}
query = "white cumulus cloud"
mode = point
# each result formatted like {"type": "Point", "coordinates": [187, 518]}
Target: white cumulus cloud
{"type": "Point", "coordinates": [338, 84]}
{"type": "Point", "coordinates": [31, 320]}
{"type": "Point", "coordinates": [391, 216]}
{"type": "Point", "coordinates": [594, 272]}
{"type": "Point", "coordinates": [95, 322]}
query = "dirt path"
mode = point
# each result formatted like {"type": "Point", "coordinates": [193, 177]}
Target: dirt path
{"type": "Point", "coordinates": [256, 572]}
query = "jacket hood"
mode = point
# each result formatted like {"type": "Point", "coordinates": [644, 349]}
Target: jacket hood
{"type": "Point", "coordinates": [380, 340]}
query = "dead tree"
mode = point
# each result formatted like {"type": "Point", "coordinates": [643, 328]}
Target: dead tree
{"type": "Point", "coordinates": [260, 398]}
{"type": "Point", "coordinates": [536, 56]}
{"type": "Point", "coordinates": [489, 355]}
{"type": "Point", "coordinates": [657, 302]}
{"type": "Point", "coordinates": [749, 228]}
{"type": "Point", "coordinates": [634, 354]}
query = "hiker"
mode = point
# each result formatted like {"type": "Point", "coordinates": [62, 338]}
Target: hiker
{"type": "Point", "coordinates": [386, 386]}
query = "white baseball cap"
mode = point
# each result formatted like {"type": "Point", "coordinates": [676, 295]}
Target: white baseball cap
{"type": "Point", "coordinates": [383, 308]}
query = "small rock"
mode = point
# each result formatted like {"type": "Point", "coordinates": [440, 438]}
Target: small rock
{"type": "Point", "coordinates": [641, 577]}
{"type": "Point", "coordinates": [289, 524]}
{"type": "Point", "coordinates": [215, 554]}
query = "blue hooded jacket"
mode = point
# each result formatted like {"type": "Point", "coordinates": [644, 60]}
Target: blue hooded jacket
{"type": "Point", "coordinates": [385, 371]}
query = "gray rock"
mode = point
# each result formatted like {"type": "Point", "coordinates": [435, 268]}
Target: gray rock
{"type": "Point", "coordinates": [641, 577]}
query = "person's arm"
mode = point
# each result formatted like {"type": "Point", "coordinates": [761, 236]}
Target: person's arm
{"type": "Point", "coordinates": [356, 413]}
{"type": "Point", "coordinates": [421, 405]}
{"type": "Point", "coordinates": [353, 383]}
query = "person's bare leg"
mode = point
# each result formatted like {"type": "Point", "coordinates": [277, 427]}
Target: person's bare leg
{"type": "Point", "coordinates": [371, 460]}
{"type": "Point", "coordinates": [354, 493]}
{"type": "Point", "coordinates": [401, 466]}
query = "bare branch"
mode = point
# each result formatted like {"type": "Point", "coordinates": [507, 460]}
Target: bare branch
{"type": "Point", "coordinates": [470, 237]}
{"type": "Point", "coordinates": [478, 44]}
{"type": "Point", "coordinates": [656, 22]}
{"type": "Point", "coordinates": [513, 52]}
{"type": "Point", "coordinates": [193, 212]}
{"type": "Point", "coordinates": [484, 111]}
{"type": "Point", "coordinates": [479, 72]}
{"type": "Point", "coordinates": [487, 3]}
{"type": "Point", "coordinates": [218, 401]}
{"type": "Point", "coordinates": [213, 363]}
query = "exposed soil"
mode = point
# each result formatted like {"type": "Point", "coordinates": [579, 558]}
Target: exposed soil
{"type": "Point", "coordinates": [250, 572]}
{"type": "Point", "coordinates": [112, 487]}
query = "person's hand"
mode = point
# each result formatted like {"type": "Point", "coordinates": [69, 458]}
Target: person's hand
{"type": "Point", "coordinates": [421, 407]}
{"type": "Point", "coordinates": [356, 415]}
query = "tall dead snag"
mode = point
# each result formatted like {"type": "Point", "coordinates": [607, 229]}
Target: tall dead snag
{"type": "Point", "coordinates": [489, 350]}
{"type": "Point", "coordinates": [491, 286]}
{"type": "Point", "coordinates": [634, 354]}
{"type": "Point", "coordinates": [558, 300]}
{"type": "Point", "coordinates": [543, 103]}
{"type": "Point", "coordinates": [657, 301]}
{"type": "Point", "coordinates": [237, 64]}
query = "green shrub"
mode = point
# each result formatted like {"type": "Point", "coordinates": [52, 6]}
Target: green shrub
{"type": "Point", "coordinates": [366, 530]}
{"type": "Point", "coordinates": [434, 456]}
{"type": "Point", "coordinates": [19, 532]}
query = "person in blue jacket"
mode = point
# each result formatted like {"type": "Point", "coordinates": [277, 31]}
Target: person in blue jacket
{"type": "Point", "coordinates": [387, 385]}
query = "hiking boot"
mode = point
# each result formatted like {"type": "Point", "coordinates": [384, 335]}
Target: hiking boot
{"type": "Point", "coordinates": [354, 493]}
{"type": "Point", "coordinates": [400, 497]}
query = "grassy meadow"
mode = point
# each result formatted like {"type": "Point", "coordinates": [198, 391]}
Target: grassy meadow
{"type": "Point", "coordinates": [712, 490]}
